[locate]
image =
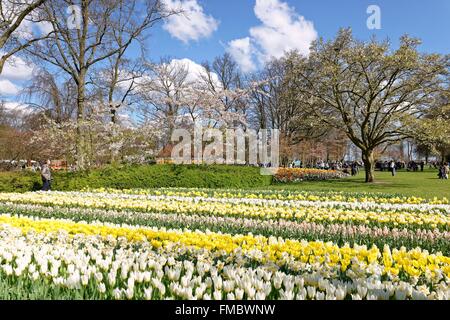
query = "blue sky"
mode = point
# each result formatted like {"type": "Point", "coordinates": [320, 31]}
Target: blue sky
{"type": "Point", "coordinates": [428, 20]}
{"type": "Point", "coordinates": [253, 31]}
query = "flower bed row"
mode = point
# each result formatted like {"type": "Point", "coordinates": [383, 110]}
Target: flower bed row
{"type": "Point", "coordinates": [353, 197]}
{"type": "Point", "coordinates": [431, 240]}
{"type": "Point", "coordinates": [407, 218]}
{"type": "Point", "coordinates": [228, 244]}
{"type": "Point", "coordinates": [100, 260]}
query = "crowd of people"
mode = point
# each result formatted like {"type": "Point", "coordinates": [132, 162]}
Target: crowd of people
{"type": "Point", "coordinates": [410, 166]}
{"type": "Point", "coordinates": [353, 167]}
{"type": "Point", "coordinates": [349, 167]}
{"type": "Point", "coordinates": [324, 165]}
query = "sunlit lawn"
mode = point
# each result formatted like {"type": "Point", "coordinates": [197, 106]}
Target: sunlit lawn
{"type": "Point", "coordinates": [424, 184]}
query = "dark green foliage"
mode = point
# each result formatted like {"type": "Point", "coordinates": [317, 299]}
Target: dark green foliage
{"type": "Point", "coordinates": [148, 176]}
{"type": "Point", "coordinates": [19, 181]}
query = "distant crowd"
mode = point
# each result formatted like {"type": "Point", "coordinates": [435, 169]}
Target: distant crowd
{"type": "Point", "coordinates": [349, 167]}
{"type": "Point", "coordinates": [410, 166]}
{"type": "Point", "coordinates": [353, 167]}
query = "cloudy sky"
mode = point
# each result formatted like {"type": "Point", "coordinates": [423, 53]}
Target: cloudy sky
{"type": "Point", "coordinates": [253, 31]}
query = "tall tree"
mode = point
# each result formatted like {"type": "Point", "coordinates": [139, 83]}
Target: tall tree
{"type": "Point", "coordinates": [368, 90]}
{"type": "Point", "coordinates": [222, 74]}
{"type": "Point", "coordinates": [277, 104]}
{"type": "Point", "coordinates": [77, 48]}
{"type": "Point", "coordinates": [164, 91]}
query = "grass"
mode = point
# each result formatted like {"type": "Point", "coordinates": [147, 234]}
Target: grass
{"type": "Point", "coordinates": [422, 184]}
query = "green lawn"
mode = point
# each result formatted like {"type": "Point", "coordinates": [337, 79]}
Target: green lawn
{"type": "Point", "coordinates": [423, 184]}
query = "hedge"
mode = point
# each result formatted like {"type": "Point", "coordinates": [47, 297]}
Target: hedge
{"type": "Point", "coordinates": [147, 176]}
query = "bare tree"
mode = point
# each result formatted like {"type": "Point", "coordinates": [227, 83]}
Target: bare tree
{"type": "Point", "coordinates": [222, 76]}
{"type": "Point", "coordinates": [52, 95]}
{"type": "Point", "coordinates": [277, 104]}
{"type": "Point", "coordinates": [13, 15]}
{"type": "Point", "coordinates": [106, 28]}
{"type": "Point", "coordinates": [163, 90]}
{"type": "Point", "coordinates": [116, 84]}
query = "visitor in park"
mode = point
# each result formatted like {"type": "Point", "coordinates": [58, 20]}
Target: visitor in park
{"type": "Point", "coordinates": [446, 171]}
{"type": "Point", "coordinates": [392, 167]}
{"type": "Point", "coordinates": [354, 169]}
{"type": "Point", "coordinates": [46, 176]}
{"type": "Point", "coordinates": [422, 164]}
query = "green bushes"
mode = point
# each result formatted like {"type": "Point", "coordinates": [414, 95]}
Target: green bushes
{"type": "Point", "coordinates": [19, 181]}
{"type": "Point", "coordinates": [149, 176]}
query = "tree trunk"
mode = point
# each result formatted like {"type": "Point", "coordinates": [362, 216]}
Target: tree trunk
{"type": "Point", "coordinates": [369, 165]}
{"type": "Point", "coordinates": [2, 64]}
{"type": "Point", "coordinates": [82, 141]}
{"type": "Point", "coordinates": [81, 126]}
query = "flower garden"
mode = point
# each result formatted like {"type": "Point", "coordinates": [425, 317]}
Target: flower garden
{"type": "Point", "coordinates": [223, 244]}
{"type": "Point", "coordinates": [284, 175]}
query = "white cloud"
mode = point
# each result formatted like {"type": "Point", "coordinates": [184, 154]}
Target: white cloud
{"type": "Point", "coordinates": [44, 27]}
{"type": "Point", "coordinates": [20, 108]}
{"type": "Point", "coordinates": [14, 72]}
{"type": "Point", "coordinates": [192, 23]}
{"type": "Point", "coordinates": [17, 69]}
{"type": "Point", "coordinates": [7, 88]}
{"type": "Point", "coordinates": [126, 119]}
{"type": "Point", "coordinates": [282, 29]}
{"type": "Point", "coordinates": [194, 69]}
{"type": "Point", "coordinates": [241, 50]}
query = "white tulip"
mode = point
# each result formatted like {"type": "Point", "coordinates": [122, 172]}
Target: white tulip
{"type": "Point", "coordinates": [239, 293]}
{"type": "Point", "coordinates": [206, 296]}
{"type": "Point", "coordinates": [230, 296]}
{"type": "Point", "coordinates": [340, 294]}
{"type": "Point", "coordinates": [217, 295]}
{"type": "Point", "coordinates": [102, 287]}
{"type": "Point", "coordinates": [320, 295]}
{"type": "Point", "coordinates": [311, 292]}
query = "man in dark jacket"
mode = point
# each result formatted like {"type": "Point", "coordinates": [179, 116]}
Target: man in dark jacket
{"type": "Point", "coordinates": [46, 176]}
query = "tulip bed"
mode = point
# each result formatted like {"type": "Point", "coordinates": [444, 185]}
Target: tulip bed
{"type": "Point", "coordinates": [222, 244]}
{"type": "Point", "coordinates": [284, 175]}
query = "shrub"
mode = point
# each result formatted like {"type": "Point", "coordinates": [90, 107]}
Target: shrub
{"type": "Point", "coordinates": [19, 181]}
{"type": "Point", "coordinates": [135, 177]}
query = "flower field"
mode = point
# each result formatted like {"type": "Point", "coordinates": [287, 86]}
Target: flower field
{"type": "Point", "coordinates": [223, 244]}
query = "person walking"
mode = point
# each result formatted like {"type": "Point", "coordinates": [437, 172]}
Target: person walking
{"type": "Point", "coordinates": [392, 167]}
{"type": "Point", "coordinates": [354, 169]}
{"type": "Point", "coordinates": [446, 171]}
{"type": "Point", "coordinates": [46, 176]}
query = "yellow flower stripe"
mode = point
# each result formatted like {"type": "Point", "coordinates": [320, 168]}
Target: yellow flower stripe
{"type": "Point", "coordinates": [310, 214]}
{"type": "Point", "coordinates": [279, 195]}
{"type": "Point", "coordinates": [415, 262]}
